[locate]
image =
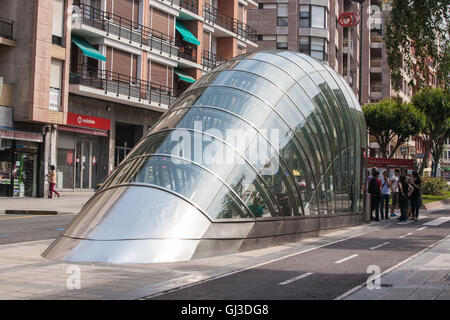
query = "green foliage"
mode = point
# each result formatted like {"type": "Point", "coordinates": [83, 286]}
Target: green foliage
{"type": "Point", "coordinates": [434, 186]}
{"type": "Point", "coordinates": [434, 103]}
{"type": "Point", "coordinates": [390, 118]}
{"type": "Point", "coordinates": [417, 32]}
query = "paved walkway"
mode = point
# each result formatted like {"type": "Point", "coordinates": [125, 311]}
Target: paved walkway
{"type": "Point", "coordinates": [69, 202]}
{"type": "Point", "coordinates": [425, 277]}
{"type": "Point", "coordinates": [24, 274]}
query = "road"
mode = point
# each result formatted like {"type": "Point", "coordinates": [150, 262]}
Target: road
{"type": "Point", "coordinates": [22, 228]}
{"type": "Point", "coordinates": [326, 272]}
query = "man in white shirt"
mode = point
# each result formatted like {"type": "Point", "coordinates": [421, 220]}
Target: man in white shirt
{"type": "Point", "coordinates": [394, 189]}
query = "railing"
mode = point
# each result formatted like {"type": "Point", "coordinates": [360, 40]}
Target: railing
{"type": "Point", "coordinates": [6, 28]}
{"type": "Point", "coordinates": [191, 5]}
{"type": "Point", "coordinates": [210, 60]}
{"type": "Point", "coordinates": [375, 63]}
{"type": "Point", "coordinates": [375, 87]}
{"type": "Point", "coordinates": [187, 51]}
{"type": "Point", "coordinates": [114, 82]}
{"type": "Point", "coordinates": [212, 16]}
{"type": "Point", "coordinates": [376, 38]}
{"type": "Point", "coordinates": [123, 28]}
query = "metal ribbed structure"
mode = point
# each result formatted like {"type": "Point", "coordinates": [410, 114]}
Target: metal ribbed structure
{"type": "Point", "coordinates": [266, 148]}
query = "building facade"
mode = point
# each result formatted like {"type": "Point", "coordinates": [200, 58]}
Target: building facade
{"type": "Point", "coordinates": [266, 148]}
{"type": "Point", "coordinates": [104, 71]}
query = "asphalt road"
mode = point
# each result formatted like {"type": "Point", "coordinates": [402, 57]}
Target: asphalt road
{"type": "Point", "coordinates": [326, 272]}
{"type": "Point", "coordinates": [22, 228]}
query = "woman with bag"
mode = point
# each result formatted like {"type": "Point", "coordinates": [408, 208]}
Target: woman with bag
{"type": "Point", "coordinates": [52, 182]}
{"type": "Point", "coordinates": [405, 191]}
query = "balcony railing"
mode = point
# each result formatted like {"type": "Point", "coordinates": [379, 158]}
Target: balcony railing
{"type": "Point", "coordinates": [375, 63]}
{"type": "Point", "coordinates": [113, 82]}
{"type": "Point", "coordinates": [210, 60]}
{"type": "Point", "coordinates": [187, 51]}
{"type": "Point", "coordinates": [191, 5]}
{"type": "Point", "coordinates": [212, 15]}
{"type": "Point", "coordinates": [123, 28]}
{"type": "Point", "coordinates": [6, 28]}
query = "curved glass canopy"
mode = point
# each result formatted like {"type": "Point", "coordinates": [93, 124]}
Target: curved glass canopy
{"type": "Point", "coordinates": [267, 136]}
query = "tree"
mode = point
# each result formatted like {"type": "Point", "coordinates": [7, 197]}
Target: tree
{"type": "Point", "coordinates": [417, 32]}
{"type": "Point", "coordinates": [434, 103]}
{"type": "Point", "coordinates": [388, 119]}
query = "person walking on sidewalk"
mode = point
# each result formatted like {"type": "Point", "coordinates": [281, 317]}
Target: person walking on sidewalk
{"type": "Point", "coordinates": [385, 195]}
{"type": "Point", "coordinates": [52, 182]}
{"type": "Point", "coordinates": [394, 191]}
{"type": "Point", "coordinates": [415, 196]}
{"type": "Point", "coordinates": [375, 196]}
{"type": "Point", "coordinates": [405, 190]}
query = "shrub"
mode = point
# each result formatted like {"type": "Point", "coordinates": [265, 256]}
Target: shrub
{"type": "Point", "coordinates": [434, 186]}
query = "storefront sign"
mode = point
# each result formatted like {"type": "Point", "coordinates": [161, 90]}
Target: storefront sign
{"type": "Point", "coordinates": [384, 162]}
{"type": "Point", "coordinates": [81, 120]}
{"type": "Point", "coordinates": [20, 135]}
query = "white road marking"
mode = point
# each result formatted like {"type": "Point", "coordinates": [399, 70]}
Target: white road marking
{"type": "Point", "coordinates": [437, 221]}
{"type": "Point", "coordinates": [423, 228]}
{"type": "Point", "coordinates": [405, 235]}
{"type": "Point", "coordinates": [362, 285]}
{"type": "Point", "coordinates": [379, 246]}
{"type": "Point", "coordinates": [347, 258]}
{"type": "Point", "coordinates": [295, 278]}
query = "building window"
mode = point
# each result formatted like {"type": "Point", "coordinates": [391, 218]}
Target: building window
{"type": "Point", "coordinates": [314, 46]}
{"type": "Point", "coordinates": [58, 22]}
{"type": "Point", "coordinates": [282, 42]}
{"type": "Point", "coordinates": [313, 17]}
{"type": "Point", "coordinates": [55, 84]}
{"type": "Point", "coordinates": [305, 17]}
{"type": "Point", "coordinates": [282, 14]}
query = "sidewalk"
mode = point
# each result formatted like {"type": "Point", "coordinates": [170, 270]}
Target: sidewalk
{"type": "Point", "coordinates": [24, 274]}
{"type": "Point", "coordinates": [425, 277]}
{"type": "Point", "coordinates": [68, 203]}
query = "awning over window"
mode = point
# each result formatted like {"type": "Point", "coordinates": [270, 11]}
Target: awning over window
{"type": "Point", "coordinates": [87, 49]}
{"type": "Point", "coordinates": [186, 34]}
{"type": "Point", "coordinates": [183, 77]}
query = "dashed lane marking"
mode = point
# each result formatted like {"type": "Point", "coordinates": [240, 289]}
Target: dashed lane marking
{"type": "Point", "coordinates": [405, 235]}
{"type": "Point", "coordinates": [296, 278]}
{"type": "Point", "coordinates": [423, 228]}
{"type": "Point", "coordinates": [347, 258]}
{"type": "Point", "coordinates": [437, 221]}
{"type": "Point", "coordinates": [379, 246]}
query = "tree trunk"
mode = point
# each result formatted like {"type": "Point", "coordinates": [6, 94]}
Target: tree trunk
{"type": "Point", "coordinates": [425, 158]}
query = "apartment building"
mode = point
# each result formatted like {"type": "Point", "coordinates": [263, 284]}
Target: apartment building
{"type": "Point", "coordinates": [103, 71]}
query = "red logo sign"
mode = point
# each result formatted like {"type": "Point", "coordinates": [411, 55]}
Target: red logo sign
{"type": "Point", "coordinates": [81, 120]}
{"type": "Point", "coordinates": [382, 162]}
{"type": "Point", "coordinates": [348, 19]}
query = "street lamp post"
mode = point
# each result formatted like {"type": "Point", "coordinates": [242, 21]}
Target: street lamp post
{"type": "Point", "coordinates": [360, 47]}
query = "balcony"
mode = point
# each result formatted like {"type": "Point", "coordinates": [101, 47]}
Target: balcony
{"type": "Point", "coordinates": [212, 16]}
{"type": "Point", "coordinates": [124, 28]}
{"type": "Point", "coordinates": [210, 60]}
{"type": "Point", "coordinates": [116, 86]}
{"type": "Point", "coordinates": [190, 5]}
{"type": "Point", "coordinates": [6, 32]}
{"type": "Point", "coordinates": [187, 51]}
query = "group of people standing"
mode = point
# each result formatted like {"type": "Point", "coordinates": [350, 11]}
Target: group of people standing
{"type": "Point", "coordinates": [405, 191]}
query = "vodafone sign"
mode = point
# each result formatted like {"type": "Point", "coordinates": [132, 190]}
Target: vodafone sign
{"type": "Point", "coordinates": [81, 120]}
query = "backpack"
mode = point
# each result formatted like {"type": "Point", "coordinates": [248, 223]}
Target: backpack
{"type": "Point", "coordinates": [373, 186]}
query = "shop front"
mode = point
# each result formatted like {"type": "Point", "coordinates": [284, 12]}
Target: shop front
{"type": "Point", "coordinates": [19, 153]}
{"type": "Point", "coordinates": [82, 152]}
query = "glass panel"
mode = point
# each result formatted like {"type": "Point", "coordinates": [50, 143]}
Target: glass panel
{"type": "Point", "coordinates": [78, 171]}
{"type": "Point", "coordinates": [185, 178]}
{"type": "Point", "coordinates": [318, 17]}
{"type": "Point", "coordinates": [218, 158]}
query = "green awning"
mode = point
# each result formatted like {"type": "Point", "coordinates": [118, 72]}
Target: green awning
{"type": "Point", "coordinates": [186, 34]}
{"type": "Point", "coordinates": [184, 77]}
{"type": "Point", "coordinates": [87, 49]}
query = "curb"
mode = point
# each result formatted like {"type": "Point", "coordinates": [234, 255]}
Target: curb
{"type": "Point", "coordinates": [435, 204]}
{"type": "Point", "coordinates": [37, 212]}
